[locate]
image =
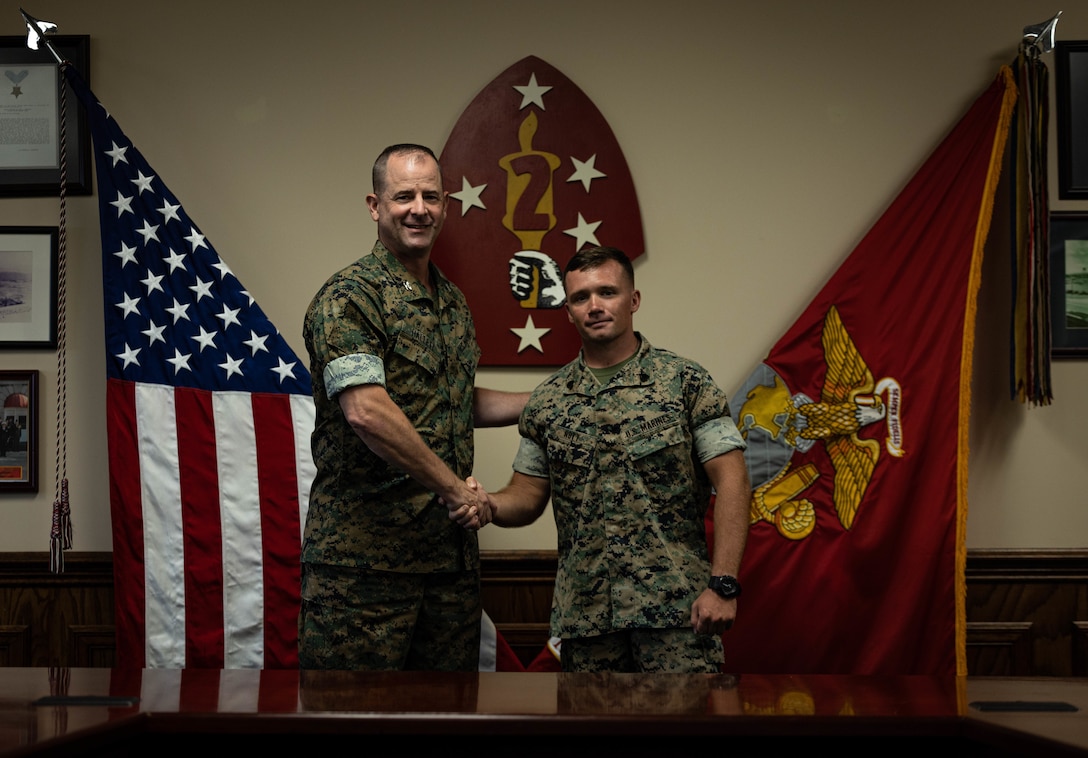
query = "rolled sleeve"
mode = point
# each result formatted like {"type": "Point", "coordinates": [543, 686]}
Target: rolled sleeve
{"type": "Point", "coordinates": [531, 459]}
{"type": "Point", "coordinates": [352, 371]}
{"type": "Point", "coordinates": [717, 437]}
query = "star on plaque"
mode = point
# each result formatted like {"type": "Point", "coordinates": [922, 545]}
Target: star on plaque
{"type": "Point", "coordinates": [584, 171]}
{"type": "Point", "coordinates": [507, 247]}
{"type": "Point", "coordinates": [584, 232]}
{"type": "Point", "coordinates": [532, 93]}
{"type": "Point", "coordinates": [530, 335]}
{"type": "Point", "coordinates": [469, 196]}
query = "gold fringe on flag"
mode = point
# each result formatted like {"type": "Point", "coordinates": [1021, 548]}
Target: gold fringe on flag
{"type": "Point", "coordinates": [982, 228]}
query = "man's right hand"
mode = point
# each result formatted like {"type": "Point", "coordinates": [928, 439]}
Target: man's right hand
{"type": "Point", "coordinates": [466, 506]}
{"type": "Point", "coordinates": [486, 509]}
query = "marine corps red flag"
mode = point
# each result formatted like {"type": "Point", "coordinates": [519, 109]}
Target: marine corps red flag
{"type": "Point", "coordinates": [857, 430]}
{"type": "Point", "coordinates": [534, 174]}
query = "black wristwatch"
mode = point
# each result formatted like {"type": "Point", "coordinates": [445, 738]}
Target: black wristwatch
{"type": "Point", "coordinates": [726, 586]}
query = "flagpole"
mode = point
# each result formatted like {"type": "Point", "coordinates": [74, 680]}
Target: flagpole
{"type": "Point", "coordinates": [60, 534]}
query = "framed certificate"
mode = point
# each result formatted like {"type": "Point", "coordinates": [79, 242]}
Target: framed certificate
{"type": "Point", "coordinates": [1071, 88]}
{"type": "Point", "coordinates": [31, 119]}
{"type": "Point", "coordinates": [1069, 284]}
{"type": "Point", "coordinates": [28, 286]}
{"type": "Point", "coordinates": [18, 431]}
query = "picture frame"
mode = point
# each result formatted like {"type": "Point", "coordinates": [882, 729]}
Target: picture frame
{"type": "Point", "coordinates": [1069, 284]}
{"type": "Point", "coordinates": [1071, 94]}
{"type": "Point", "coordinates": [28, 286]}
{"type": "Point", "coordinates": [30, 108]}
{"type": "Point", "coordinates": [18, 431]}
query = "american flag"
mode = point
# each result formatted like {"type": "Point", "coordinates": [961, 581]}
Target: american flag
{"type": "Point", "coordinates": [209, 414]}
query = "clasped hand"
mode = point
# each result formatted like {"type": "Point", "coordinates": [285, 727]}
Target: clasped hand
{"type": "Point", "coordinates": [470, 506]}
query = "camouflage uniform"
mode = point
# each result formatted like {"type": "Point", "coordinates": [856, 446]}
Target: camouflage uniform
{"type": "Point", "coordinates": [373, 323]}
{"type": "Point", "coordinates": [629, 493]}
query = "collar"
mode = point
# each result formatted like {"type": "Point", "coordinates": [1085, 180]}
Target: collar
{"type": "Point", "coordinates": [404, 279]}
{"type": "Point", "coordinates": [581, 381]}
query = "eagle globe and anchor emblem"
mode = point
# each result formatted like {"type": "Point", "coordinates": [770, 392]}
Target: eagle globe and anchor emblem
{"type": "Point", "coordinates": [778, 423]}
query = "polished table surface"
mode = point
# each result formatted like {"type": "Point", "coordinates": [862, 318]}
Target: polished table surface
{"type": "Point", "coordinates": [86, 711]}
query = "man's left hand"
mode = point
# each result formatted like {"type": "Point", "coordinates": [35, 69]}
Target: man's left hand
{"type": "Point", "coordinates": [712, 614]}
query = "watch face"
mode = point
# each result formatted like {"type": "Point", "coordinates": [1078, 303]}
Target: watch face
{"type": "Point", "coordinates": [726, 586]}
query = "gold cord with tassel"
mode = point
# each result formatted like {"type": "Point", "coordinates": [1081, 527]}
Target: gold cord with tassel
{"type": "Point", "coordinates": [60, 537]}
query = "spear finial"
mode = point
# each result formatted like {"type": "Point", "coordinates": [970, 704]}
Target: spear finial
{"type": "Point", "coordinates": [1041, 36]}
{"type": "Point", "coordinates": [35, 34]}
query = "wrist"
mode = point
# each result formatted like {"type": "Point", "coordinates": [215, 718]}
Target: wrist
{"type": "Point", "coordinates": [725, 586]}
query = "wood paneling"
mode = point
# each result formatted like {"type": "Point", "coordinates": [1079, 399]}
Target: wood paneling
{"type": "Point", "coordinates": [999, 648]}
{"type": "Point", "coordinates": [516, 590]}
{"type": "Point", "coordinates": [14, 644]}
{"type": "Point", "coordinates": [1027, 610]}
{"type": "Point", "coordinates": [47, 610]}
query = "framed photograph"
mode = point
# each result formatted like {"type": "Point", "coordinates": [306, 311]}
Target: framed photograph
{"type": "Point", "coordinates": [18, 431]}
{"type": "Point", "coordinates": [1069, 285]}
{"type": "Point", "coordinates": [1071, 93]}
{"type": "Point", "coordinates": [28, 286]}
{"type": "Point", "coordinates": [30, 118]}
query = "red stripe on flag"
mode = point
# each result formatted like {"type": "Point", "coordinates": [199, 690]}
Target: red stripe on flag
{"type": "Point", "coordinates": [278, 691]}
{"type": "Point", "coordinates": [198, 691]}
{"type": "Point", "coordinates": [201, 529]}
{"type": "Point", "coordinates": [126, 683]}
{"type": "Point", "coordinates": [278, 481]}
{"type": "Point", "coordinates": [126, 508]}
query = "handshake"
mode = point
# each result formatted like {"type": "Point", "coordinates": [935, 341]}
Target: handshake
{"type": "Point", "coordinates": [470, 507]}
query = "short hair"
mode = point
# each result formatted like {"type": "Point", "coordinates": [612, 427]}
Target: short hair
{"type": "Point", "coordinates": [377, 175]}
{"type": "Point", "coordinates": [593, 257]}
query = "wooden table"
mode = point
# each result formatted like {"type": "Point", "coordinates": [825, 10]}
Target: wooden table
{"type": "Point", "coordinates": [123, 712]}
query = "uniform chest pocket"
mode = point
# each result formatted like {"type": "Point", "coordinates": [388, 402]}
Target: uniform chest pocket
{"type": "Point", "coordinates": [567, 448]}
{"type": "Point", "coordinates": [414, 347]}
{"type": "Point", "coordinates": [648, 444]}
{"type": "Point", "coordinates": [660, 458]}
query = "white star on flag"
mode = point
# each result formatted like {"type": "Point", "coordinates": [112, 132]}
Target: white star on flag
{"type": "Point", "coordinates": [143, 182]}
{"type": "Point", "coordinates": [204, 339]}
{"type": "Point", "coordinates": [154, 333]}
{"type": "Point", "coordinates": [126, 254]}
{"type": "Point", "coordinates": [169, 212]}
{"type": "Point", "coordinates": [122, 204]}
{"type": "Point", "coordinates": [118, 154]}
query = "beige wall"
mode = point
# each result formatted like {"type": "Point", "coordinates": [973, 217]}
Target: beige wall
{"type": "Point", "coordinates": [764, 139]}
